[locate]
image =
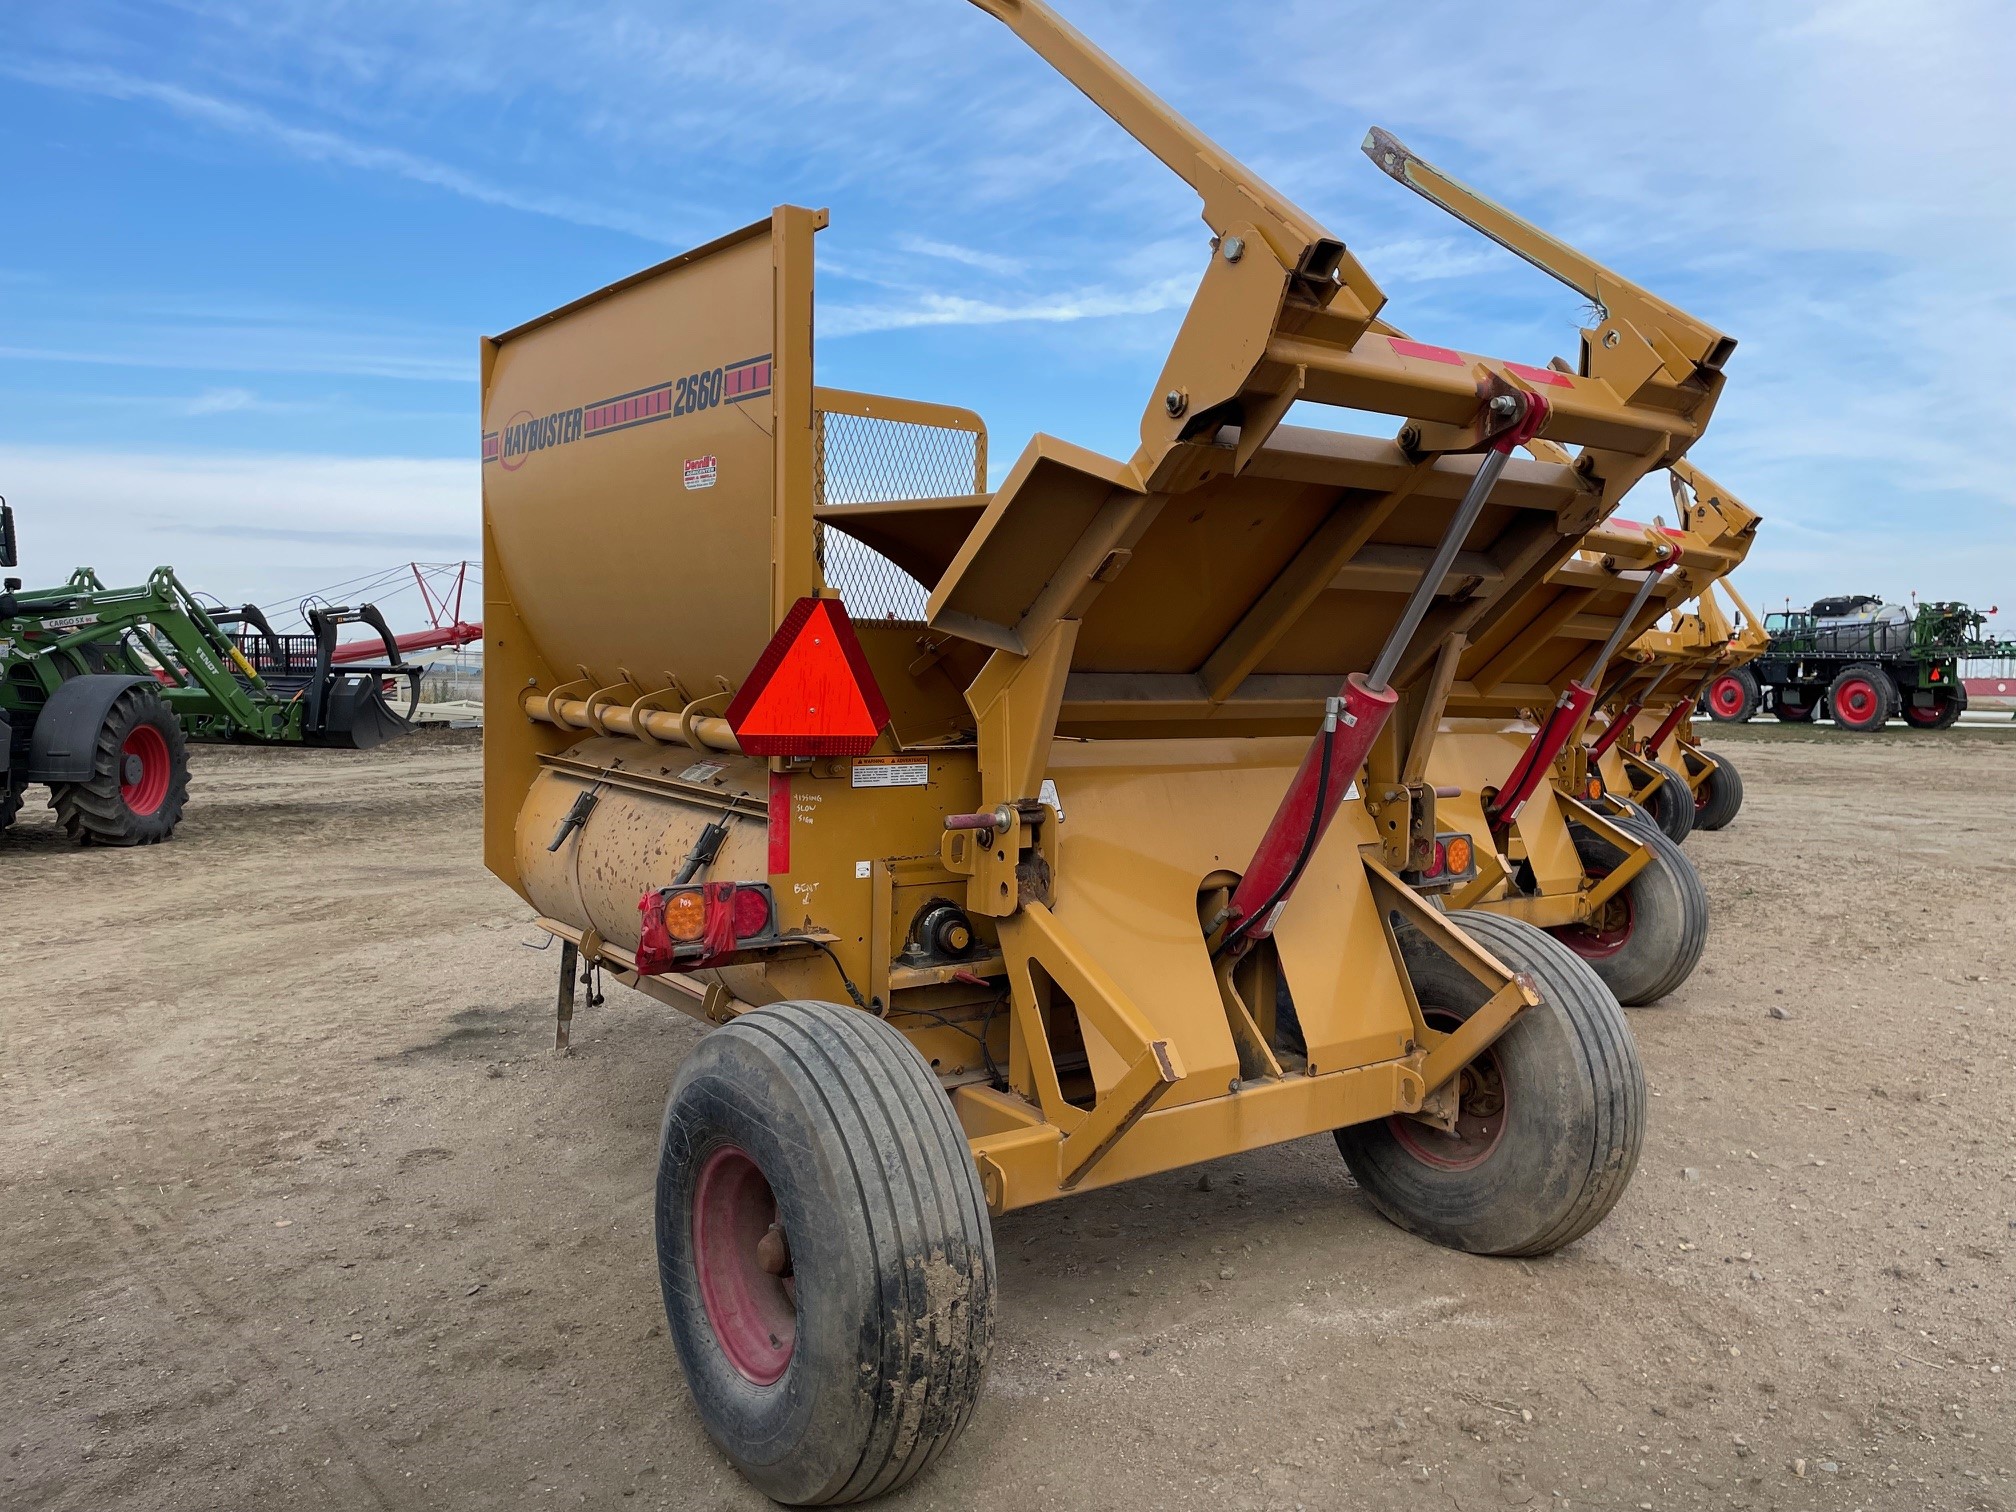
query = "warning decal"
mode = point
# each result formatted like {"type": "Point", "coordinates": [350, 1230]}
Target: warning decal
{"type": "Point", "coordinates": [890, 771]}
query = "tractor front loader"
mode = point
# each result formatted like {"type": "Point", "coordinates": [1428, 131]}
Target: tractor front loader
{"type": "Point", "coordinates": [1115, 850]}
{"type": "Point", "coordinates": [102, 689]}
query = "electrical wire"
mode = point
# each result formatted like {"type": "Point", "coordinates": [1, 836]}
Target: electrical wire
{"type": "Point", "coordinates": [980, 1038]}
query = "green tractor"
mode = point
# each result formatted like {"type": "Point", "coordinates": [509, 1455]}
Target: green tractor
{"type": "Point", "coordinates": [102, 689]}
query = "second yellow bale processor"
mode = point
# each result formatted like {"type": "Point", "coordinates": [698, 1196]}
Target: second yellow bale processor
{"type": "Point", "coordinates": [1649, 751]}
{"type": "Point", "coordinates": [1097, 846]}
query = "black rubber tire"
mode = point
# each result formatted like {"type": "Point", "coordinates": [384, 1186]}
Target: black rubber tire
{"type": "Point", "coordinates": [97, 812]}
{"type": "Point", "coordinates": [11, 799]}
{"type": "Point", "coordinates": [1740, 695]}
{"type": "Point", "coordinates": [1946, 713]}
{"type": "Point", "coordinates": [890, 1248]}
{"type": "Point", "coordinates": [1721, 796]}
{"type": "Point", "coordinates": [1885, 705]}
{"type": "Point", "coordinates": [1672, 805]}
{"type": "Point", "coordinates": [1574, 1107]}
{"type": "Point", "coordinates": [1668, 914]}
{"type": "Point", "coordinates": [1632, 810]}
{"type": "Point", "coordinates": [1794, 712]}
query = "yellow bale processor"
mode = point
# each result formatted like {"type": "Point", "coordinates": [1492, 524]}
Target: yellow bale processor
{"type": "Point", "coordinates": [1022, 842]}
{"type": "Point", "coordinates": [1513, 762]}
{"type": "Point", "coordinates": [1648, 751]}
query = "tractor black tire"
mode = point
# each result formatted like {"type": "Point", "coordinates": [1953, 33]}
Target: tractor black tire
{"type": "Point", "coordinates": [1733, 697]}
{"type": "Point", "coordinates": [819, 1131]}
{"type": "Point", "coordinates": [1943, 715]}
{"type": "Point", "coordinates": [1542, 1167]}
{"type": "Point", "coordinates": [1672, 805]}
{"type": "Point", "coordinates": [1651, 935]}
{"type": "Point", "coordinates": [1720, 796]}
{"type": "Point", "coordinates": [139, 781]}
{"type": "Point", "coordinates": [1862, 698]}
{"type": "Point", "coordinates": [11, 799]}
{"type": "Point", "coordinates": [1794, 711]}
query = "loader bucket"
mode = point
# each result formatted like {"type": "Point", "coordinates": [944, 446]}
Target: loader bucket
{"type": "Point", "coordinates": [357, 716]}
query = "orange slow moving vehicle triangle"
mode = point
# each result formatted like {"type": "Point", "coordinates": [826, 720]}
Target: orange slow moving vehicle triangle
{"type": "Point", "coordinates": [811, 692]}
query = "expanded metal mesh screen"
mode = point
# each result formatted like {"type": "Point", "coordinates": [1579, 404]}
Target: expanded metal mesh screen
{"type": "Point", "coordinates": [862, 460]}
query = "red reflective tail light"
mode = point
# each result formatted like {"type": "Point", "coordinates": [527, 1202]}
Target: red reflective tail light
{"type": "Point", "coordinates": [683, 927]}
{"type": "Point", "coordinates": [751, 911]}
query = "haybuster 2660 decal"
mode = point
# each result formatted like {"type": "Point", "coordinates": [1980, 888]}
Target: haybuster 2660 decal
{"type": "Point", "coordinates": [525, 433]}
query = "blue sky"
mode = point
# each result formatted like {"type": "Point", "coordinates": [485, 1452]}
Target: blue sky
{"type": "Point", "coordinates": [249, 245]}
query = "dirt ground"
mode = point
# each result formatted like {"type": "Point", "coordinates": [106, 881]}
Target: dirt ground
{"type": "Point", "coordinates": [299, 1210]}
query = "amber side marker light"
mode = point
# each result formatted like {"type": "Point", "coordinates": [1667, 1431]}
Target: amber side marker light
{"type": "Point", "coordinates": [1454, 862]}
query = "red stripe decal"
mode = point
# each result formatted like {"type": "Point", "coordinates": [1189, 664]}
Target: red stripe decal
{"type": "Point", "coordinates": [780, 823]}
{"type": "Point", "coordinates": [1423, 350]}
{"type": "Point", "coordinates": [1540, 375]}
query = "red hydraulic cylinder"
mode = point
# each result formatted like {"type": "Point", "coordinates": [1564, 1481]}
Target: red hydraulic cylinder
{"type": "Point", "coordinates": [1617, 727]}
{"type": "Point", "coordinates": [1332, 764]}
{"type": "Point", "coordinates": [1668, 725]}
{"type": "Point", "coordinates": [1531, 768]}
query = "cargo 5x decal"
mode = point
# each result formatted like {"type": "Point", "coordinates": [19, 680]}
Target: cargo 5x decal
{"type": "Point", "coordinates": [525, 433]}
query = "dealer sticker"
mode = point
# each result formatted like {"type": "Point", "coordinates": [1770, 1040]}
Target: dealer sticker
{"type": "Point", "coordinates": [701, 471]}
{"type": "Point", "coordinates": [890, 771]}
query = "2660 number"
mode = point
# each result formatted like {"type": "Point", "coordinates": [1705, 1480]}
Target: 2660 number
{"type": "Point", "coordinates": [697, 391]}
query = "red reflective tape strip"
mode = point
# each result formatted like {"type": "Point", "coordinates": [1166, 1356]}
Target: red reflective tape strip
{"type": "Point", "coordinates": [780, 823]}
{"type": "Point", "coordinates": [1540, 374]}
{"type": "Point", "coordinates": [1423, 350]}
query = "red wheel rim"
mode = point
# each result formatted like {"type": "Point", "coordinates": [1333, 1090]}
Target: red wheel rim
{"type": "Point", "coordinates": [1856, 701]}
{"type": "Point", "coordinates": [1481, 1109]}
{"type": "Point", "coordinates": [751, 1307]}
{"type": "Point", "coordinates": [1602, 936]}
{"type": "Point", "coordinates": [1924, 717]}
{"type": "Point", "coordinates": [1726, 697]}
{"type": "Point", "coordinates": [143, 770]}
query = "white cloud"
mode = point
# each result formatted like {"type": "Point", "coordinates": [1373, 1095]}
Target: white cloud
{"type": "Point", "coordinates": [934, 309]}
{"type": "Point", "coordinates": [1825, 179]}
{"type": "Point", "coordinates": [258, 527]}
{"type": "Point", "coordinates": [221, 401]}
{"type": "Point", "coordinates": [987, 262]}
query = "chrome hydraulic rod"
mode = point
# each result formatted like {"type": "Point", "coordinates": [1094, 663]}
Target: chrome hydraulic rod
{"type": "Point", "coordinates": [1353, 719]}
{"type": "Point", "coordinates": [1504, 408]}
{"type": "Point", "coordinates": [1594, 676]}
